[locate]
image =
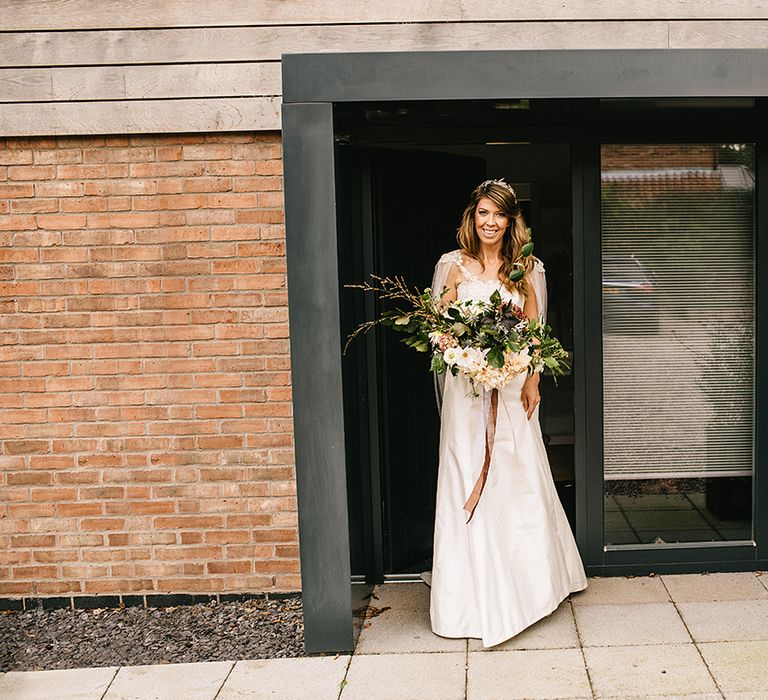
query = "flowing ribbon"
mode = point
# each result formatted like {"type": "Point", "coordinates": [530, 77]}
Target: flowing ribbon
{"type": "Point", "coordinates": [490, 432]}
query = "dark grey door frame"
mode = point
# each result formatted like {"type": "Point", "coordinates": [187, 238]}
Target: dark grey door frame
{"type": "Point", "coordinates": [312, 83]}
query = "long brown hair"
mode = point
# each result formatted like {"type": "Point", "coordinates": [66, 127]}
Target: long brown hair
{"type": "Point", "coordinates": [515, 237]}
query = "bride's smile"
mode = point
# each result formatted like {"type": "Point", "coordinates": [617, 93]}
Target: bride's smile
{"type": "Point", "coordinates": [490, 222]}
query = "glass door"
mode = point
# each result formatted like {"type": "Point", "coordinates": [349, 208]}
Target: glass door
{"type": "Point", "coordinates": [677, 228]}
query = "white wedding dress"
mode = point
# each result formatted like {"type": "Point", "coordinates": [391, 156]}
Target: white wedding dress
{"type": "Point", "coordinates": [516, 558]}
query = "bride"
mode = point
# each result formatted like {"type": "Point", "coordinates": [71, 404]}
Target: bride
{"type": "Point", "coordinates": [504, 554]}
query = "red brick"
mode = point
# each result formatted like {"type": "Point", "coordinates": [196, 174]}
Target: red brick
{"type": "Point", "coordinates": [150, 308]}
{"type": "Point", "coordinates": [17, 223]}
{"type": "Point", "coordinates": [31, 172]}
{"type": "Point", "coordinates": [34, 206]}
{"type": "Point", "coordinates": [276, 566]}
{"type": "Point", "coordinates": [15, 157]}
{"type": "Point", "coordinates": [230, 567]}
{"type": "Point", "coordinates": [227, 536]}
{"type": "Point", "coordinates": [102, 524]}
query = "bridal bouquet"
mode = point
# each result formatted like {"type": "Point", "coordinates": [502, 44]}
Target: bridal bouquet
{"type": "Point", "coordinates": [489, 342]}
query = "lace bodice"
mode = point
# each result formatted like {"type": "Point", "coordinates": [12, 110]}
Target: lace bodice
{"type": "Point", "coordinates": [472, 286]}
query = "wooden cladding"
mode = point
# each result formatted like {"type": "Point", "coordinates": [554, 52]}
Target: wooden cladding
{"type": "Point", "coordinates": [77, 67]}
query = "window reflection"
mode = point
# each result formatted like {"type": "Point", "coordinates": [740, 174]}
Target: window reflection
{"type": "Point", "coordinates": [677, 228]}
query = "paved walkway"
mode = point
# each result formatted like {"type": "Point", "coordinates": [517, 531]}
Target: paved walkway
{"type": "Point", "coordinates": [692, 636]}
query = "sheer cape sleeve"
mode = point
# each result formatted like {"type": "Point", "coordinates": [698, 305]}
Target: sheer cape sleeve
{"type": "Point", "coordinates": [536, 278]}
{"type": "Point", "coordinates": [439, 279]}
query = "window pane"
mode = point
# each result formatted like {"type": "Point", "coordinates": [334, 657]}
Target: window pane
{"type": "Point", "coordinates": [678, 295]}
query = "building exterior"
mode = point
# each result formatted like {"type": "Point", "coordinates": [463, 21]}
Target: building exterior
{"type": "Point", "coordinates": [150, 443]}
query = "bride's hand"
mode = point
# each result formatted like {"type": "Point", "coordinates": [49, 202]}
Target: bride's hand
{"type": "Point", "coordinates": [530, 394]}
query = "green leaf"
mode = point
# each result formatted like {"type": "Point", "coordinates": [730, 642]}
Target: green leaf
{"type": "Point", "coordinates": [402, 320]}
{"type": "Point", "coordinates": [454, 313]}
{"type": "Point", "coordinates": [495, 357]}
{"type": "Point", "coordinates": [496, 297]}
{"type": "Point", "coordinates": [516, 275]}
{"type": "Point", "coordinates": [438, 363]}
{"type": "Point", "coordinates": [459, 329]}
{"type": "Point", "coordinates": [527, 249]}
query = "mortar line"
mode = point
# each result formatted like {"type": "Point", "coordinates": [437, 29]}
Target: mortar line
{"type": "Point", "coordinates": [695, 645]}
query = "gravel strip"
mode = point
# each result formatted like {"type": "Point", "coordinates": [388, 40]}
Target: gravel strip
{"type": "Point", "coordinates": [51, 639]}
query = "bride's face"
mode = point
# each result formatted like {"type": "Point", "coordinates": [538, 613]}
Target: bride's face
{"type": "Point", "coordinates": [490, 222]}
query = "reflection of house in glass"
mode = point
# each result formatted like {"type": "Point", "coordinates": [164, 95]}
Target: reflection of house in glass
{"type": "Point", "coordinates": [678, 289]}
{"type": "Point", "coordinates": [651, 169]}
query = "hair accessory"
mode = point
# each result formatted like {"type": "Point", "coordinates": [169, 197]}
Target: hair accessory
{"type": "Point", "coordinates": [500, 182]}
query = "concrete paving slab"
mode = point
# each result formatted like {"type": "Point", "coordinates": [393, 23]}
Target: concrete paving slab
{"type": "Point", "coordinates": [726, 620]}
{"type": "Point", "coordinates": [679, 535]}
{"type": "Point", "coordinates": [738, 667]}
{"type": "Point", "coordinates": [403, 596]}
{"type": "Point", "coordinates": [685, 696]}
{"type": "Point", "coordinates": [615, 520]}
{"type": "Point", "coordinates": [661, 669]}
{"type": "Point", "coordinates": [666, 520]}
{"type": "Point", "coordinates": [656, 501]}
{"type": "Point", "coordinates": [715, 586]}
{"type": "Point", "coordinates": [632, 624]}
{"type": "Point", "coordinates": [72, 684]}
{"type": "Point", "coordinates": [309, 678]}
{"type": "Point", "coordinates": [401, 631]}
{"type": "Point", "coordinates": [539, 673]}
{"type": "Point", "coordinates": [405, 677]}
{"type": "Point", "coordinates": [621, 537]}
{"type": "Point", "coordinates": [198, 681]}
{"type": "Point", "coordinates": [556, 631]}
{"type": "Point", "coordinates": [619, 590]}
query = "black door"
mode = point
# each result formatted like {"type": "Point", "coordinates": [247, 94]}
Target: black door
{"type": "Point", "coordinates": [408, 204]}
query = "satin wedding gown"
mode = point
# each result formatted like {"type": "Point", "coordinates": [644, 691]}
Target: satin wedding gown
{"type": "Point", "coordinates": [516, 559]}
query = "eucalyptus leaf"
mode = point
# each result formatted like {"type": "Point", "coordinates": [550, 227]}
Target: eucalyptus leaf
{"type": "Point", "coordinates": [527, 249]}
{"type": "Point", "coordinates": [516, 275]}
{"type": "Point", "coordinates": [402, 320]}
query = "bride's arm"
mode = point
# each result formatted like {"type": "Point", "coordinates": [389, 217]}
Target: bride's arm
{"type": "Point", "coordinates": [450, 284]}
{"type": "Point", "coordinates": [530, 396]}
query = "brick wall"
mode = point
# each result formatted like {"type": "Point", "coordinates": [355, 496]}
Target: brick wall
{"type": "Point", "coordinates": [145, 416]}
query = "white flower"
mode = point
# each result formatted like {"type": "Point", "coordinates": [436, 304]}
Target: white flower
{"type": "Point", "coordinates": [470, 359]}
{"type": "Point", "coordinates": [451, 355]}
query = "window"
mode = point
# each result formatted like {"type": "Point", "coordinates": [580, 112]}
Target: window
{"type": "Point", "coordinates": [678, 305]}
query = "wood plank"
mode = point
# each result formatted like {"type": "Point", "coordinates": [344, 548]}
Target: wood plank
{"type": "Point", "coordinates": [139, 82]}
{"type": "Point", "coordinates": [38, 15]}
{"type": "Point", "coordinates": [568, 10]}
{"type": "Point", "coordinates": [25, 84]}
{"type": "Point", "coordinates": [718, 35]}
{"type": "Point", "coordinates": [203, 80]}
{"type": "Point", "coordinates": [256, 44]}
{"type": "Point", "coordinates": [27, 15]}
{"type": "Point", "coordinates": [136, 117]}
